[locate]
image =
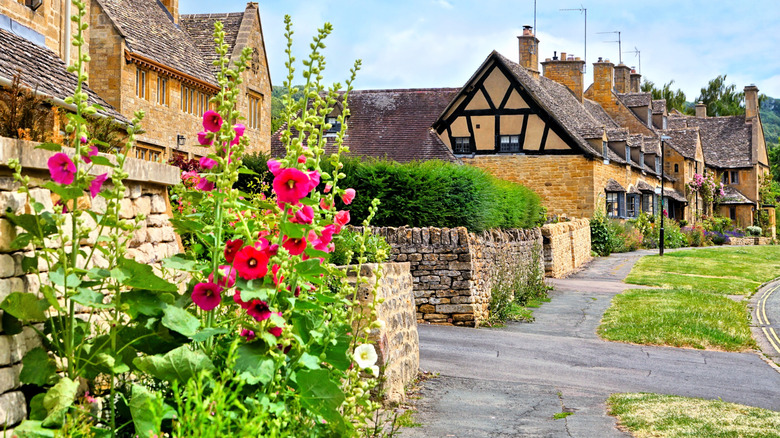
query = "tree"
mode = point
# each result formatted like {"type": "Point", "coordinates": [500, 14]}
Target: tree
{"type": "Point", "coordinates": [722, 99]}
{"type": "Point", "coordinates": [674, 99]}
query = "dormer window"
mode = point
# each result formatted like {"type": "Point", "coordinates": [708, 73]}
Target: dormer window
{"type": "Point", "coordinates": [649, 117]}
{"type": "Point", "coordinates": [658, 165]}
{"type": "Point", "coordinates": [604, 152]}
{"type": "Point", "coordinates": [642, 160]}
{"type": "Point", "coordinates": [628, 154]}
{"type": "Point", "coordinates": [665, 123]}
{"type": "Point", "coordinates": [335, 126]}
{"type": "Point", "coordinates": [509, 143]}
{"type": "Point", "coordinates": [462, 145]}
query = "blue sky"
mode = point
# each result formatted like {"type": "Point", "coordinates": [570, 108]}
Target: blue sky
{"type": "Point", "coordinates": [440, 43]}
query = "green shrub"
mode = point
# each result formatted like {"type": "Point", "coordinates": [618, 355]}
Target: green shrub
{"type": "Point", "coordinates": [626, 237]}
{"type": "Point", "coordinates": [515, 286]}
{"type": "Point", "coordinates": [261, 181]}
{"type": "Point", "coordinates": [695, 236]}
{"type": "Point", "coordinates": [602, 237]}
{"type": "Point", "coordinates": [347, 248]}
{"type": "Point", "coordinates": [753, 231]}
{"type": "Point", "coordinates": [532, 285]}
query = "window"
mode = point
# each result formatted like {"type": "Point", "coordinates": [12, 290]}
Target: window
{"type": "Point", "coordinates": [665, 123]}
{"type": "Point", "coordinates": [193, 101]}
{"type": "Point", "coordinates": [509, 143]}
{"type": "Point", "coordinates": [462, 145]}
{"type": "Point", "coordinates": [647, 203]}
{"type": "Point", "coordinates": [734, 176]}
{"type": "Point", "coordinates": [604, 152]}
{"type": "Point", "coordinates": [140, 83]}
{"type": "Point", "coordinates": [733, 213]}
{"type": "Point", "coordinates": [658, 165]}
{"type": "Point", "coordinates": [162, 90]}
{"type": "Point", "coordinates": [148, 152]}
{"type": "Point", "coordinates": [632, 205]}
{"type": "Point", "coordinates": [256, 110]}
{"type": "Point", "coordinates": [628, 154]}
{"type": "Point", "coordinates": [641, 159]}
{"type": "Point", "coordinates": [613, 207]}
{"type": "Point", "coordinates": [676, 168]}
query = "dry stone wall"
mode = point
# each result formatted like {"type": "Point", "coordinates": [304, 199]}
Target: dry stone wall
{"type": "Point", "coordinates": [566, 247]}
{"type": "Point", "coordinates": [744, 241]}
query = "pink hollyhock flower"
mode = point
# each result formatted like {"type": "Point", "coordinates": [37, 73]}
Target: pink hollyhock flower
{"type": "Point", "coordinates": [273, 250]}
{"type": "Point", "coordinates": [207, 163]}
{"type": "Point", "coordinates": [204, 139]}
{"type": "Point", "coordinates": [206, 295]}
{"type": "Point", "coordinates": [231, 249]}
{"type": "Point", "coordinates": [62, 169]}
{"type": "Point", "coordinates": [212, 121]}
{"type": "Point", "coordinates": [251, 263]}
{"type": "Point", "coordinates": [277, 277]}
{"type": "Point", "coordinates": [323, 241]}
{"type": "Point", "coordinates": [294, 246]}
{"type": "Point", "coordinates": [305, 215]}
{"type": "Point", "coordinates": [328, 186]}
{"type": "Point", "coordinates": [301, 159]}
{"type": "Point", "coordinates": [83, 139]}
{"type": "Point", "coordinates": [227, 276]}
{"type": "Point", "coordinates": [274, 167]}
{"type": "Point", "coordinates": [291, 185]}
{"type": "Point", "coordinates": [247, 334]}
{"type": "Point", "coordinates": [324, 204]}
{"type": "Point", "coordinates": [204, 185]}
{"type": "Point", "coordinates": [348, 196]}
{"type": "Point", "coordinates": [190, 177]}
{"type": "Point", "coordinates": [342, 218]}
{"type": "Point", "coordinates": [259, 310]}
{"type": "Point", "coordinates": [97, 184]}
{"type": "Point", "coordinates": [239, 129]}
{"type": "Point", "coordinates": [314, 179]}
{"type": "Point", "coordinates": [91, 152]}
{"type": "Point", "coordinates": [276, 331]}
{"type": "Point", "coordinates": [237, 298]}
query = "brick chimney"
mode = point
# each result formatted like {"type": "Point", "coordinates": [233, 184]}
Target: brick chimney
{"type": "Point", "coordinates": [529, 51]}
{"type": "Point", "coordinates": [751, 101]}
{"type": "Point", "coordinates": [701, 110]}
{"type": "Point", "coordinates": [173, 7]}
{"type": "Point", "coordinates": [566, 71]}
{"type": "Point", "coordinates": [636, 82]}
{"type": "Point", "coordinates": [603, 81]}
{"type": "Point", "coordinates": [622, 78]}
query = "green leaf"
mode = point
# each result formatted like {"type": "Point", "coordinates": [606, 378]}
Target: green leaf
{"type": "Point", "coordinates": [246, 171]}
{"type": "Point", "coordinates": [320, 395]}
{"type": "Point", "coordinates": [144, 302]}
{"type": "Point", "coordinates": [311, 270]}
{"type": "Point", "coordinates": [313, 253]}
{"type": "Point", "coordinates": [66, 193]}
{"type": "Point", "coordinates": [102, 161]}
{"type": "Point", "coordinates": [148, 411]}
{"type": "Point", "coordinates": [30, 264]}
{"type": "Point", "coordinates": [292, 230]}
{"type": "Point", "coordinates": [57, 401]}
{"type": "Point", "coordinates": [336, 355]}
{"type": "Point", "coordinates": [33, 429]}
{"type": "Point", "coordinates": [58, 277]}
{"type": "Point", "coordinates": [180, 320]}
{"type": "Point", "coordinates": [254, 364]}
{"type": "Point", "coordinates": [37, 411]}
{"type": "Point", "coordinates": [11, 324]}
{"type": "Point", "coordinates": [180, 364]}
{"type": "Point", "coordinates": [256, 294]}
{"type": "Point", "coordinates": [141, 276]}
{"type": "Point", "coordinates": [25, 307]}
{"type": "Point", "coordinates": [208, 332]}
{"type": "Point", "coordinates": [91, 298]}
{"type": "Point", "coordinates": [51, 296]}
{"type": "Point", "coordinates": [184, 226]}
{"type": "Point", "coordinates": [309, 361]}
{"type": "Point", "coordinates": [54, 147]}
{"type": "Point", "coordinates": [37, 368]}
{"type": "Point", "coordinates": [181, 263]}
{"type": "Point", "coordinates": [21, 241]}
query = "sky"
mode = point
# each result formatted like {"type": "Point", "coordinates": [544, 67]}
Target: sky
{"type": "Point", "coordinates": [441, 43]}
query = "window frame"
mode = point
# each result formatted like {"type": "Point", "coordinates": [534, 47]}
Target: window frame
{"type": "Point", "coordinates": [149, 152]}
{"type": "Point", "coordinates": [513, 147]}
{"type": "Point", "coordinates": [163, 95]}
{"type": "Point", "coordinates": [734, 176]}
{"type": "Point", "coordinates": [458, 141]}
{"type": "Point", "coordinates": [628, 154]}
{"type": "Point", "coordinates": [255, 110]}
{"type": "Point", "coordinates": [614, 212]}
{"type": "Point", "coordinates": [141, 83]}
{"type": "Point", "coordinates": [632, 200]}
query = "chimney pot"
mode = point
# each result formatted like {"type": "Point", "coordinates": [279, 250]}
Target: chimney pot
{"type": "Point", "coordinates": [599, 59]}
{"type": "Point", "coordinates": [555, 55]}
{"type": "Point", "coordinates": [563, 56]}
{"type": "Point", "coordinates": [527, 30]}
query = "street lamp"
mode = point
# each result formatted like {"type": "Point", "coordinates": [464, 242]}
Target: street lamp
{"type": "Point", "coordinates": [664, 138]}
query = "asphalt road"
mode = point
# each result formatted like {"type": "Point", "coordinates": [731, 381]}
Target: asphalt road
{"type": "Point", "coordinates": [512, 381]}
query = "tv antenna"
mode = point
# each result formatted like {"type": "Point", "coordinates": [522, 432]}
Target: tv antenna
{"type": "Point", "coordinates": [620, 44]}
{"type": "Point", "coordinates": [638, 55]}
{"type": "Point", "coordinates": [583, 9]}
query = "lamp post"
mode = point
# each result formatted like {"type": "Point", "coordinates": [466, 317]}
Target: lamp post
{"type": "Point", "coordinates": [664, 138]}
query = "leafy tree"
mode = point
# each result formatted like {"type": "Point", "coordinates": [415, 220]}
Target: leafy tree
{"type": "Point", "coordinates": [722, 99]}
{"type": "Point", "coordinates": [277, 107]}
{"type": "Point", "coordinates": [675, 99]}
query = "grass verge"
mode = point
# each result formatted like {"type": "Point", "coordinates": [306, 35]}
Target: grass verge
{"type": "Point", "coordinates": [666, 416]}
{"type": "Point", "coordinates": [735, 270]}
{"type": "Point", "coordinates": [678, 318]}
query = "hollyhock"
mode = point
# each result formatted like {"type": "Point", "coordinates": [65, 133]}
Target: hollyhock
{"type": "Point", "coordinates": [206, 295]}
{"type": "Point", "coordinates": [365, 356]}
{"type": "Point", "coordinates": [328, 186]}
{"type": "Point", "coordinates": [314, 179]}
{"type": "Point", "coordinates": [251, 263]}
{"type": "Point", "coordinates": [91, 151]}
{"type": "Point", "coordinates": [207, 163]}
{"type": "Point", "coordinates": [204, 139]}
{"type": "Point", "coordinates": [301, 159]}
{"type": "Point", "coordinates": [276, 331]}
{"type": "Point", "coordinates": [97, 184]}
{"type": "Point", "coordinates": [274, 167]}
{"type": "Point", "coordinates": [277, 277]}
{"type": "Point", "coordinates": [291, 185]}
{"type": "Point", "coordinates": [231, 249]}
{"type": "Point", "coordinates": [342, 218]}
{"type": "Point", "coordinates": [212, 121]}
{"type": "Point", "coordinates": [239, 130]}
{"type": "Point", "coordinates": [247, 334]}
{"type": "Point", "coordinates": [227, 276]}
{"type": "Point", "coordinates": [324, 204]}
{"type": "Point", "coordinates": [348, 196]}
{"type": "Point", "coordinates": [83, 139]}
{"type": "Point", "coordinates": [62, 169]}
{"type": "Point", "coordinates": [190, 177]}
{"type": "Point", "coordinates": [259, 310]}
{"type": "Point", "coordinates": [294, 246]}
{"type": "Point", "coordinates": [305, 215]}
{"type": "Point", "coordinates": [204, 185]}
{"type": "Point", "coordinates": [273, 250]}
{"type": "Point", "coordinates": [237, 299]}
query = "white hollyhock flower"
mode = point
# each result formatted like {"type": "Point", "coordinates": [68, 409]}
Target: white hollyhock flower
{"type": "Point", "coordinates": [374, 371]}
{"type": "Point", "coordinates": [365, 356]}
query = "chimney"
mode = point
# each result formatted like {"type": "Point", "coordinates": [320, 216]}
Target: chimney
{"type": "Point", "coordinates": [701, 110]}
{"type": "Point", "coordinates": [751, 101]}
{"type": "Point", "coordinates": [603, 81]}
{"type": "Point", "coordinates": [529, 51]}
{"type": "Point", "coordinates": [173, 8]}
{"type": "Point", "coordinates": [622, 78]}
{"type": "Point", "coordinates": [636, 81]}
{"type": "Point", "coordinates": [566, 71]}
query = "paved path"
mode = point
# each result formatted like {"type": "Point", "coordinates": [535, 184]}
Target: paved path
{"type": "Point", "coordinates": [512, 381]}
{"type": "Point", "coordinates": [765, 306]}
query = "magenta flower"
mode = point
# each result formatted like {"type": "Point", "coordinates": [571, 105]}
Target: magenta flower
{"type": "Point", "coordinates": [227, 276]}
{"type": "Point", "coordinates": [301, 159]}
{"type": "Point", "coordinates": [305, 215]}
{"type": "Point", "coordinates": [204, 139]}
{"type": "Point", "coordinates": [207, 163]}
{"type": "Point", "coordinates": [247, 334]}
{"type": "Point", "coordinates": [259, 310]}
{"type": "Point", "coordinates": [239, 129]}
{"type": "Point", "coordinates": [274, 167]}
{"type": "Point", "coordinates": [97, 184]}
{"type": "Point", "coordinates": [206, 295]}
{"type": "Point", "coordinates": [295, 246]}
{"type": "Point", "coordinates": [314, 179]}
{"type": "Point", "coordinates": [212, 121]}
{"type": "Point", "coordinates": [342, 218]}
{"type": "Point", "coordinates": [62, 169]}
{"type": "Point", "coordinates": [291, 185]}
{"type": "Point", "coordinates": [91, 152]}
{"type": "Point", "coordinates": [348, 196]}
{"type": "Point", "coordinates": [204, 185]}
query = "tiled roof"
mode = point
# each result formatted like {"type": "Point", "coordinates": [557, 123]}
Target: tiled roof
{"type": "Point", "coordinates": [149, 31]}
{"type": "Point", "coordinates": [674, 194]}
{"type": "Point", "coordinates": [632, 190]}
{"type": "Point", "coordinates": [734, 197]}
{"type": "Point", "coordinates": [393, 124]}
{"type": "Point", "coordinates": [613, 186]}
{"type": "Point", "coordinates": [683, 141]}
{"type": "Point", "coordinates": [619, 134]}
{"type": "Point", "coordinates": [40, 68]}
{"type": "Point", "coordinates": [200, 28]}
{"type": "Point", "coordinates": [632, 100]}
{"type": "Point", "coordinates": [598, 113]}
{"type": "Point", "coordinates": [635, 140]}
{"type": "Point", "coordinates": [651, 145]}
{"type": "Point", "coordinates": [659, 106]}
{"type": "Point", "coordinates": [644, 187]}
{"type": "Point", "coordinates": [725, 141]}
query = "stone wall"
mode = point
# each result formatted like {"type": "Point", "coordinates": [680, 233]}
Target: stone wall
{"type": "Point", "coordinates": [566, 247]}
{"type": "Point", "coordinates": [744, 241]}
{"type": "Point", "coordinates": [452, 268]}
{"type": "Point", "coordinates": [155, 240]}
{"type": "Point", "coordinates": [397, 342]}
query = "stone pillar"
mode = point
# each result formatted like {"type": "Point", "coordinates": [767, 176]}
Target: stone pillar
{"type": "Point", "coordinates": [636, 82]}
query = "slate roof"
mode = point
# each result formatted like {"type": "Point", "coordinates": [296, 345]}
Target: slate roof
{"type": "Point", "coordinates": [651, 145]}
{"type": "Point", "coordinates": [395, 124]}
{"type": "Point", "coordinates": [659, 106]}
{"type": "Point", "coordinates": [633, 100]}
{"type": "Point", "coordinates": [683, 141]}
{"type": "Point", "coordinates": [644, 187]}
{"type": "Point", "coordinates": [725, 141]}
{"type": "Point", "coordinates": [598, 113]}
{"type": "Point", "coordinates": [734, 197]}
{"type": "Point", "coordinates": [40, 68]}
{"type": "Point", "coordinates": [620, 134]}
{"type": "Point", "coordinates": [200, 28]}
{"type": "Point", "coordinates": [613, 186]}
{"type": "Point", "coordinates": [149, 31]}
{"type": "Point", "coordinates": [674, 194]}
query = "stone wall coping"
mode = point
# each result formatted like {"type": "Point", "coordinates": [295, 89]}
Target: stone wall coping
{"type": "Point", "coordinates": [36, 159]}
{"type": "Point", "coordinates": [564, 227]}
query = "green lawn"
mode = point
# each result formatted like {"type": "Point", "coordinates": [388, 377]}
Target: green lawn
{"type": "Point", "coordinates": [665, 416]}
{"type": "Point", "coordinates": [735, 270]}
{"type": "Point", "coordinates": [678, 318]}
